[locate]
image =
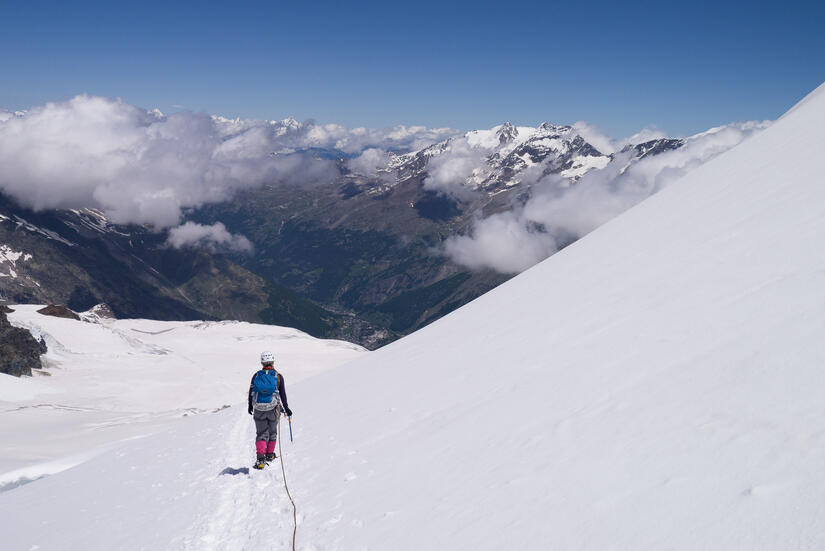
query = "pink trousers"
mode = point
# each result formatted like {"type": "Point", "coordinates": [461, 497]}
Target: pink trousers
{"type": "Point", "coordinates": [262, 446]}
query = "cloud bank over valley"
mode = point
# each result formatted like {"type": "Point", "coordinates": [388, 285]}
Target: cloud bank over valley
{"type": "Point", "coordinates": [557, 213]}
{"type": "Point", "coordinates": [141, 166]}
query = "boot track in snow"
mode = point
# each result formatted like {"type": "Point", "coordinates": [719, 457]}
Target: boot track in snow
{"type": "Point", "coordinates": [244, 508]}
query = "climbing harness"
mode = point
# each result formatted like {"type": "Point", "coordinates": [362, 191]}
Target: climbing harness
{"type": "Point", "coordinates": [283, 471]}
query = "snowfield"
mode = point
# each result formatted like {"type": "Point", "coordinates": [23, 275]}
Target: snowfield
{"type": "Point", "coordinates": [656, 385]}
{"type": "Point", "coordinates": [118, 379]}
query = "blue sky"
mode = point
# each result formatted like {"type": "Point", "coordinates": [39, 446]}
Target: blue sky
{"type": "Point", "coordinates": [621, 66]}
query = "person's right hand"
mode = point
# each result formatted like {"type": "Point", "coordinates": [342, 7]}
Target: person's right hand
{"type": "Point", "coordinates": [249, 410]}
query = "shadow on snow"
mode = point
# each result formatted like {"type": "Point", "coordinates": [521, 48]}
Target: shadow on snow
{"type": "Point", "coordinates": [233, 472]}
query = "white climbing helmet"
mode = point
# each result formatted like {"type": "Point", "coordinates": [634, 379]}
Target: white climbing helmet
{"type": "Point", "coordinates": [267, 357]}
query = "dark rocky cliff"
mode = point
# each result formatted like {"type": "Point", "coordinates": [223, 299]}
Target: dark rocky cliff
{"type": "Point", "coordinates": [19, 351]}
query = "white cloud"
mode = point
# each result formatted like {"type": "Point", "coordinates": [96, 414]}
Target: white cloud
{"type": "Point", "coordinates": [354, 140]}
{"type": "Point", "coordinates": [595, 137]}
{"type": "Point", "coordinates": [214, 238]}
{"type": "Point", "coordinates": [492, 244]}
{"type": "Point", "coordinates": [557, 214]}
{"type": "Point", "coordinates": [137, 166]}
{"type": "Point", "coordinates": [452, 172]}
{"type": "Point", "coordinates": [144, 167]}
{"type": "Point", "coordinates": [368, 162]}
{"type": "Point", "coordinates": [607, 145]}
{"type": "Point", "coordinates": [643, 135]}
{"type": "Point", "coordinates": [296, 136]}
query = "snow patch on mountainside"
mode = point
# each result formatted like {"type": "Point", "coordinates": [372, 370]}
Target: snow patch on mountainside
{"type": "Point", "coordinates": [9, 259]}
{"type": "Point", "coordinates": [47, 233]}
{"type": "Point", "coordinates": [582, 164]}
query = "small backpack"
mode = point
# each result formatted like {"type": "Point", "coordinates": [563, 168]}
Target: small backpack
{"type": "Point", "coordinates": [265, 386]}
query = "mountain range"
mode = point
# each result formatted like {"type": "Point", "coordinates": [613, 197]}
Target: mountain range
{"type": "Point", "coordinates": [357, 257]}
{"type": "Point", "coordinates": [369, 243]}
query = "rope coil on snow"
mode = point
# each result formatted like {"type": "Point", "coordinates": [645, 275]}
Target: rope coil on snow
{"type": "Point", "coordinates": [283, 471]}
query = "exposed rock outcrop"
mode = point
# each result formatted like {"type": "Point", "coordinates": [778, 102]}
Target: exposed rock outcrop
{"type": "Point", "coordinates": [19, 351]}
{"type": "Point", "coordinates": [58, 311]}
{"type": "Point", "coordinates": [97, 313]}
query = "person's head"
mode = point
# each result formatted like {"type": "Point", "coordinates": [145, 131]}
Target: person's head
{"type": "Point", "coordinates": [267, 359]}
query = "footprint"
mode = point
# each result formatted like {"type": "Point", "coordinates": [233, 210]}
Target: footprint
{"type": "Point", "coordinates": [334, 520]}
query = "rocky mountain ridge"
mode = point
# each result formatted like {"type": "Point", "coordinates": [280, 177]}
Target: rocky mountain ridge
{"type": "Point", "coordinates": [510, 150]}
{"type": "Point", "coordinates": [368, 244]}
{"type": "Point", "coordinates": [79, 258]}
{"type": "Point", "coordinates": [356, 257]}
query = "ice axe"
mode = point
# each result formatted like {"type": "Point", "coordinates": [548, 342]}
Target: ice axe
{"type": "Point", "coordinates": [290, 427]}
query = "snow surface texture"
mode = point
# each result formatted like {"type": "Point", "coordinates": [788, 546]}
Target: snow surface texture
{"type": "Point", "coordinates": [656, 385]}
{"type": "Point", "coordinates": [119, 379]}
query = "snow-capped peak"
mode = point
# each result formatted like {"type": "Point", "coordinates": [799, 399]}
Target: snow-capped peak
{"type": "Point", "coordinates": [507, 133]}
{"type": "Point", "coordinates": [549, 127]}
{"type": "Point", "coordinates": [6, 115]}
{"type": "Point", "coordinates": [494, 159]}
{"type": "Point", "coordinates": [290, 122]}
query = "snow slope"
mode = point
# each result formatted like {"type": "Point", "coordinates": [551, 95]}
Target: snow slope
{"type": "Point", "coordinates": [118, 379]}
{"type": "Point", "coordinates": [656, 385]}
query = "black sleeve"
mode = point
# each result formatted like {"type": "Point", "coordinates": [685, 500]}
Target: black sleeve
{"type": "Point", "coordinates": [282, 390]}
{"type": "Point", "coordinates": [249, 399]}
